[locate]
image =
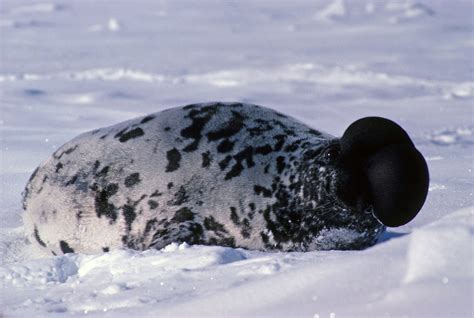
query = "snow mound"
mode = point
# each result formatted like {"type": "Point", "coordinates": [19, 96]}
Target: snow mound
{"type": "Point", "coordinates": [102, 74]}
{"type": "Point", "coordinates": [331, 78]}
{"type": "Point", "coordinates": [215, 281]}
{"type": "Point", "coordinates": [37, 8]}
{"type": "Point", "coordinates": [453, 136]}
{"type": "Point", "coordinates": [110, 277]}
{"type": "Point", "coordinates": [462, 90]}
{"type": "Point", "coordinates": [333, 11]}
{"type": "Point", "coordinates": [112, 25]}
{"type": "Point", "coordinates": [435, 251]}
{"type": "Point", "coordinates": [408, 10]}
{"type": "Point", "coordinates": [39, 273]}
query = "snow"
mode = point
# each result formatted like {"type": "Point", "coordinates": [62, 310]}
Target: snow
{"type": "Point", "coordinates": [67, 67]}
{"type": "Point", "coordinates": [336, 9]}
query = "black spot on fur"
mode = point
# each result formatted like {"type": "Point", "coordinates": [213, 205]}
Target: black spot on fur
{"type": "Point", "coordinates": [233, 216]}
{"type": "Point", "coordinates": [70, 150]}
{"type": "Point", "coordinates": [174, 157]}
{"type": "Point", "coordinates": [147, 119]}
{"type": "Point", "coordinates": [263, 191]}
{"type": "Point", "coordinates": [211, 224]}
{"type": "Point", "coordinates": [247, 155]}
{"type": "Point", "coordinates": [38, 239]}
{"type": "Point", "coordinates": [167, 129]}
{"type": "Point", "coordinates": [183, 215]}
{"type": "Point", "coordinates": [126, 241]}
{"type": "Point", "coordinates": [102, 173]}
{"type": "Point", "coordinates": [59, 166]}
{"type": "Point", "coordinates": [132, 180]}
{"type": "Point", "coordinates": [66, 152]}
{"type": "Point", "coordinates": [200, 117]}
{"type": "Point", "coordinates": [311, 154]}
{"type": "Point", "coordinates": [244, 224]}
{"type": "Point", "coordinates": [120, 133]}
{"type": "Point", "coordinates": [152, 204]}
{"type": "Point", "coordinates": [293, 147]}
{"type": "Point", "coordinates": [135, 203]}
{"type": "Point", "coordinates": [150, 224]}
{"type": "Point", "coordinates": [265, 170]}
{"type": "Point", "coordinates": [264, 150]}
{"type": "Point", "coordinates": [230, 128]}
{"type": "Point", "coordinates": [280, 163]}
{"type": "Point", "coordinates": [125, 136]}
{"type": "Point", "coordinates": [252, 210]}
{"type": "Point", "coordinates": [195, 236]}
{"type": "Point", "coordinates": [129, 215]}
{"type": "Point", "coordinates": [225, 146]}
{"type": "Point", "coordinates": [72, 180]}
{"type": "Point", "coordinates": [33, 175]}
{"type": "Point", "coordinates": [158, 234]}
{"type": "Point", "coordinates": [287, 130]}
{"type": "Point", "coordinates": [65, 247]}
{"type": "Point", "coordinates": [96, 166]}
{"type": "Point", "coordinates": [180, 197]}
{"type": "Point", "coordinates": [264, 237]}
{"type": "Point", "coordinates": [314, 132]}
{"type": "Point", "coordinates": [235, 171]}
{"type": "Point", "coordinates": [224, 241]}
{"type": "Point", "coordinates": [280, 142]}
{"type": "Point", "coordinates": [194, 132]}
{"type": "Point", "coordinates": [190, 106]}
{"type": "Point", "coordinates": [224, 163]}
{"type": "Point", "coordinates": [261, 127]}
{"type": "Point", "coordinates": [102, 206]}
{"type": "Point", "coordinates": [206, 159]}
{"type": "Point", "coordinates": [170, 185]}
{"type": "Point", "coordinates": [105, 249]}
{"type": "Point", "coordinates": [156, 194]}
{"type": "Point", "coordinates": [246, 228]}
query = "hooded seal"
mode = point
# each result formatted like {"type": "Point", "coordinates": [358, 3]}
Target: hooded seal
{"type": "Point", "coordinates": [227, 174]}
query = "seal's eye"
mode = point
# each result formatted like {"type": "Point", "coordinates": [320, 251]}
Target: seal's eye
{"type": "Point", "coordinates": [331, 154]}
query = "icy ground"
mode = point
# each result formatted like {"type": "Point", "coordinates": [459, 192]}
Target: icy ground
{"type": "Point", "coordinates": [72, 66]}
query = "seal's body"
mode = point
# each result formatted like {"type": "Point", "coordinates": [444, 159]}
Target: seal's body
{"type": "Point", "coordinates": [228, 174]}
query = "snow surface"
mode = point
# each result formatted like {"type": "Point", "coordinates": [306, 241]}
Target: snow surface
{"type": "Point", "coordinates": [72, 66]}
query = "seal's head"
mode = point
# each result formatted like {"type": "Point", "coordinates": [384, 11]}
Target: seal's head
{"type": "Point", "coordinates": [372, 177]}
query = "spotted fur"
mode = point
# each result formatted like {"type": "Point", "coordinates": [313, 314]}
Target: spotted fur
{"type": "Point", "coordinates": [230, 174]}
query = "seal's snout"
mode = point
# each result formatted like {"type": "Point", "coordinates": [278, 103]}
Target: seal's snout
{"type": "Point", "coordinates": [393, 175]}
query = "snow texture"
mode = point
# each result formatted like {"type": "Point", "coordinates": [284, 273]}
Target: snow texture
{"type": "Point", "coordinates": [72, 66]}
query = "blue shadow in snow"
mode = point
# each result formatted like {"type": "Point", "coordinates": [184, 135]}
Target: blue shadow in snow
{"type": "Point", "coordinates": [387, 236]}
{"type": "Point", "coordinates": [34, 92]}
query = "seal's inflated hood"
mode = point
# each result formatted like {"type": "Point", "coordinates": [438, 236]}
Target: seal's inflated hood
{"type": "Point", "coordinates": [394, 171]}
